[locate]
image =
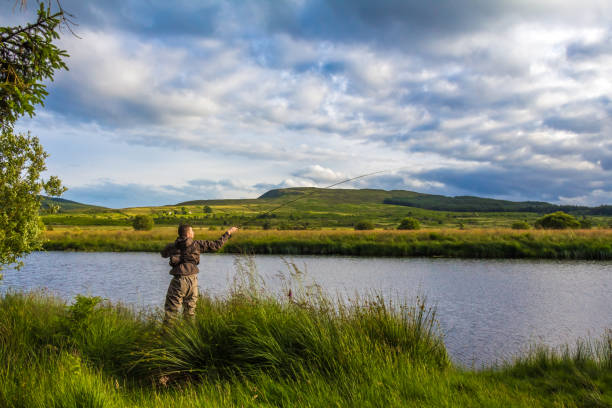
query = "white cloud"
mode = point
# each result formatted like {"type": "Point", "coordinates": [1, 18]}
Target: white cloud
{"type": "Point", "coordinates": [319, 174]}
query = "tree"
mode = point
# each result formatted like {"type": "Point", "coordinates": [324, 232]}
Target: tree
{"type": "Point", "coordinates": [557, 220]}
{"type": "Point", "coordinates": [364, 225]}
{"type": "Point", "coordinates": [27, 58]}
{"type": "Point", "coordinates": [409, 223]}
{"type": "Point", "coordinates": [520, 225]}
{"type": "Point", "coordinates": [22, 159]}
{"type": "Point", "coordinates": [143, 223]}
{"type": "Point", "coordinates": [208, 209]}
{"type": "Point", "coordinates": [586, 223]}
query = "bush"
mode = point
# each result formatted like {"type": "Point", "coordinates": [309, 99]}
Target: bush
{"type": "Point", "coordinates": [586, 223]}
{"type": "Point", "coordinates": [520, 225]}
{"type": "Point", "coordinates": [364, 225]}
{"type": "Point", "coordinates": [557, 220]}
{"type": "Point", "coordinates": [143, 223]}
{"type": "Point", "coordinates": [207, 209]}
{"type": "Point", "coordinates": [409, 223]}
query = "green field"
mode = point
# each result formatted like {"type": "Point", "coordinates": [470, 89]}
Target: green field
{"type": "Point", "coordinates": [322, 222]}
{"type": "Point", "coordinates": [319, 209]}
{"type": "Point", "coordinates": [252, 348]}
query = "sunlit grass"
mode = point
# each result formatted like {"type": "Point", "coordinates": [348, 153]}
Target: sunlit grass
{"type": "Point", "coordinates": [443, 242]}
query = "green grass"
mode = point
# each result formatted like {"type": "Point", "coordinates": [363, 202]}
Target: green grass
{"type": "Point", "coordinates": [253, 348]}
{"type": "Point", "coordinates": [473, 243]}
{"type": "Point", "coordinates": [319, 209]}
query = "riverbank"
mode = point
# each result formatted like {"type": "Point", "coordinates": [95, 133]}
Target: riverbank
{"type": "Point", "coordinates": [253, 349]}
{"type": "Point", "coordinates": [452, 243]}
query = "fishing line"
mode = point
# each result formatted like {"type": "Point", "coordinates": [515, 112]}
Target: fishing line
{"type": "Point", "coordinates": [259, 215]}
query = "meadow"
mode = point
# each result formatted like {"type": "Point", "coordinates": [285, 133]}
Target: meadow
{"type": "Point", "coordinates": [254, 348]}
{"type": "Point", "coordinates": [315, 209]}
{"type": "Point", "coordinates": [593, 244]}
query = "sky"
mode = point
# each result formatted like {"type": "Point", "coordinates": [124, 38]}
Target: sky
{"type": "Point", "coordinates": [172, 101]}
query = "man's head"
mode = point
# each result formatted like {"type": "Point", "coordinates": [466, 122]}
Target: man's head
{"type": "Point", "coordinates": [185, 231]}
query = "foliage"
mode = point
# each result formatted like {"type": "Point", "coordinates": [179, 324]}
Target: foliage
{"type": "Point", "coordinates": [474, 204]}
{"type": "Point", "coordinates": [520, 225]}
{"type": "Point", "coordinates": [207, 209]}
{"type": "Point", "coordinates": [557, 220]}
{"type": "Point", "coordinates": [143, 223]}
{"type": "Point", "coordinates": [364, 225]}
{"type": "Point", "coordinates": [409, 223]}
{"type": "Point", "coordinates": [586, 223]}
{"type": "Point", "coordinates": [22, 160]}
{"type": "Point", "coordinates": [27, 58]}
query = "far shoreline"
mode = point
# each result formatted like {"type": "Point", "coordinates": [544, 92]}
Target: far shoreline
{"type": "Point", "coordinates": [499, 243]}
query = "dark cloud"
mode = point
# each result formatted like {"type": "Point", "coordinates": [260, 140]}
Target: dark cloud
{"type": "Point", "coordinates": [606, 163]}
{"type": "Point", "coordinates": [121, 195]}
{"type": "Point", "coordinates": [394, 23]}
{"type": "Point", "coordinates": [519, 182]}
{"type": "Point", "coordinates": [115, 195]}
{"type": "Point", "coordinates": [157, 17]}
{"type": "Point", "coordinates": [586, 51]}
{"type": "Point", "coordinates": [582, 124]}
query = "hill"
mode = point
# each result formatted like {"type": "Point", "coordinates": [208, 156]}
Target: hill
{"type": "Point", "coordinates": [328, 208]}
{"type": "Point", "coordinates": [68, 205]}
{"type": "Point", "coordinates": [431, 201]}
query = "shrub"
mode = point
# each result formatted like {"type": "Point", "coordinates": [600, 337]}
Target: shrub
{"type": "Point", "coordinates": [364, 225]}
{"type": "Point", "coordinates": [409, 223]}
{"type": "Point", "coordinates": [207, 209]}
{"type": "Point", "coordinates": [557, 220]}
{"type": "Point", "coordinates": [143, 223]}
{"type": "Point", "coordinates": [586, 223]}
{"type": "Point", "coordinates": [520, 225]}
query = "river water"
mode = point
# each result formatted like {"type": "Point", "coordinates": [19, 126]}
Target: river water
{"type": "Point", "coordinates": [489, 310]}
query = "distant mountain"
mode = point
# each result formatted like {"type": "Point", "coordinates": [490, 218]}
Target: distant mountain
{"type": "Point", "coordinates": [431, 201]}
{"type": "Point", "coordinates": [68, 205]}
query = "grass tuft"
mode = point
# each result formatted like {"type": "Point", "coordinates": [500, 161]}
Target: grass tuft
{"type": "Point", "coordinates": [255, 348]}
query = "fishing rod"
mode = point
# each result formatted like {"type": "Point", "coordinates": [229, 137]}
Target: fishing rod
{"type": "Point", "coordinates": [264, 213]}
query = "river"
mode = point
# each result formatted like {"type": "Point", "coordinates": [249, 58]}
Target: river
{"type": "Point", "coordinates": [489, 310]}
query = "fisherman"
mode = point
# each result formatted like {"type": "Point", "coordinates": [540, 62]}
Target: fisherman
{"type": "Point", "coordinates": [184, 254]}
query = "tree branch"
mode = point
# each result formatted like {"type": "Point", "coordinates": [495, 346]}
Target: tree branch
{"type": "Point", "coordinates": [38, 24]}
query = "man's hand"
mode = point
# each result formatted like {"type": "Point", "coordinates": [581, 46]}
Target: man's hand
{"type": "Point", "coordinates": [232, 230]}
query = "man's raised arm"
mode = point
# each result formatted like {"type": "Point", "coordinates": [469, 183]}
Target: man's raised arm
{"type": "Point", "coordinates": [211, 246]}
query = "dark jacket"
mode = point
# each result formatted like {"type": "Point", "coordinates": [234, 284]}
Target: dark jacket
{"type": "Point", "coordinates": [184, 253]}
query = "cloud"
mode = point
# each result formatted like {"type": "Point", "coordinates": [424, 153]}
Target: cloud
{"type": "Point", "coordinates": [585, 124]}
{"type": "Point", "coordinates": [121, 195]}
{"type": "Point", "coordinates": [493, 98]}
{"type": "Point", "coordinates": [319, 174]}
{"type": "Point", "coordinates": [115, 195]}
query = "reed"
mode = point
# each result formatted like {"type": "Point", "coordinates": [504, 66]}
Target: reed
{"type": "Point", "coordinates": [257, 348]}
{"type": "Point", "coordinates": [593, 244]}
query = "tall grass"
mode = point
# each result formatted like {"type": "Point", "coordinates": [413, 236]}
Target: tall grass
{"type": "Point", "coordinates": [475, 243]}
{"type": "Point", "coordinates": [255, 348]}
